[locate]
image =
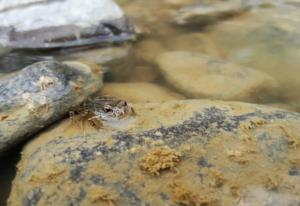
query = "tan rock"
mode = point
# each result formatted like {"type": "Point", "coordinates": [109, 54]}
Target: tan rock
{"type": "Point", "coordinates": [200, 76]}
{"type": "Point", "coordinates": [139, 92]}
{"type": "Point", "coordinates": [185, 143]}
{"type": "Point", "coordinates": [264, 39]}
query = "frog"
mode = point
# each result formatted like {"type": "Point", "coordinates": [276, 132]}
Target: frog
{"type": "Point", "coordinates": [98, 110]}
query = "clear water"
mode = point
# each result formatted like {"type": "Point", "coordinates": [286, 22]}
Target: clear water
{"type": "Point", "coordinates": [266, 39]}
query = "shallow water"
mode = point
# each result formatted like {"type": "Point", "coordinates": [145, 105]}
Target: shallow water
{"type": "Point", "coordinates": [265, 39]}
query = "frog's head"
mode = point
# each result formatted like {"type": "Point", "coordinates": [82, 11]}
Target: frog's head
{"type": "Point", "coordinates": [112, 109]}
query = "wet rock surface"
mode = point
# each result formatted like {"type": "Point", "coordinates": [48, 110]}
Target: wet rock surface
{"type": "Point", "coordinates": [139, 92]}
{"type": "Point", "coordinates": [200, 76]}
{"type": "Point", "coordinates": [188, 152]}
{"type": "Point", "coordinates": [209, 13]}
{"type": "Point", "coordinates": [40, 94]}
{"type": "Point", "coordinates": [27, 23]}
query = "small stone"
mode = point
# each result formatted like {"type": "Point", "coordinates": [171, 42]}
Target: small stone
{"type": "Point", "coordinates": [204, 14]}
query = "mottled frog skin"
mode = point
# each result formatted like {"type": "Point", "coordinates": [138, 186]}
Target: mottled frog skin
{"type": "Point", "coordinates": [101, 109]}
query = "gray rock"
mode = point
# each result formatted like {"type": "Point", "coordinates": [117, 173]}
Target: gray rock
{"type": "Point", "coordinates": [61, 23]}
{"type": "Point", "coordinates": [200, 76]}
{"type": "Point", "coordinates": [204, 14]}
{"type": "Point", "coordinates": [189, 152]}
{"type": "Point", "coordinates": [40, 94]}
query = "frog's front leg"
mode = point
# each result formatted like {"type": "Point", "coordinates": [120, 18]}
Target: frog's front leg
{"type": "Point", "coordinates": [95, 122]}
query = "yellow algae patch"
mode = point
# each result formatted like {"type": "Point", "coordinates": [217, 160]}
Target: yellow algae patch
{"type": "Point", "coordinates": [217, 178]}
{"type": "Point", "coordinates": [184, 196]}
{"type": "Point", "coordinates": [293, 140]}
{"type": "Point", "coordinates": [50, 177]}
{"type": "Point", "coordinates": [158, 160]}
{"type": "Point", "coordinates": [99, 195]}
{"type": "Point", "coordinates": [237, 156]}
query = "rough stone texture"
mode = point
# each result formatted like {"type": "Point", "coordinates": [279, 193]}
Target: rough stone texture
{"type": "Point", "coordinates": [139, 92]}
{"type": "Point", "coordinates": [223, 149]}
{"type": "Point", "coordinates": [27, 23]}
{"type": "Point", "coordinates": [262, 197]}
{"type": "Point", "coordinates": [197, 75]}
{"type": "Point", "coordinates": [40, 94]}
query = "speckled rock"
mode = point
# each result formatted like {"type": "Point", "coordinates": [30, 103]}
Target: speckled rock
{"type": "Point", "coordinates": [189, 152]}
{"type": "Point", "coordinates": [198, 75]}
{"type": "Point", "coordinates": [40, 94]}
{"type": "Point", "coordinates": [139, 92]}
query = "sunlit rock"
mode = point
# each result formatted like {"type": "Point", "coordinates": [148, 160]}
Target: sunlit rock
{"type": "Point", "coordinates": [188, 152]}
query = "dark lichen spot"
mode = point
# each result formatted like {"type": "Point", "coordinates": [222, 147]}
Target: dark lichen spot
{"type": "Point", "coordinates": [294, 172]}
{"type": "Point", "coordinates": [131, 196]}
{"type": "Point", "coordinates": [76, 173]}
{"type": "Point", "coordinates": [33, 197]}
{"type": "Point", "coordinates": [98, 180]}
{"type": "Point", "coordinates": [202, 162]}
{"type": "Point", "coordinates": [163, 196]}
{"type": "Point", "coordinates": [76, 201]}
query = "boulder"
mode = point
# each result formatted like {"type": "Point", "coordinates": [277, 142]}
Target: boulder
{"type": "Point", "coordinates": [40, 94]}
{"type": "Point", "coordinates": [61, 23]}
{"type": "Point", "coordinates": [200, 76]}
{"type": "Point", "coordinates": [188, 152]}
{"type": "Point", "coordinates": [264, 39]}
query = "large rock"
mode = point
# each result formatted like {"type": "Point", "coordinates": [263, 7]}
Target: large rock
{"type": "Point", "coordinates": [61, 23]}
{"type": "Point", "coordinates": [188, 152]}
{"type": "Point", "coordinates": [267, 40]}
{"type": "Point", "coordinates": [40, 94]}
{"type": "Point", "coordinates": [200, 76]}
{"type": "Point", "coordinates": [139, 92]}
{"type": "Point", "coordinates": [194, 42]}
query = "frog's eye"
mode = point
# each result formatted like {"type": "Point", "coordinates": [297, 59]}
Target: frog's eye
{"type": "Point", "coordinates": [123, 103]}
{"type": "Point", "coordinates": [107, 109]}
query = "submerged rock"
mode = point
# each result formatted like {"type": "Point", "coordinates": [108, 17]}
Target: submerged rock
{"type": "Point", "coordinates": [61, 23]}
{"type": "Point", "coordinates": [204, 14]}
{"type": "Point", "coordinates": [139, 92]}
{"type": "Point", "coordinates": [200, 76]}
{"type": "Point", "coordinates": [188, 152]}
{"type": "Point", "coordinates": [40, 94]}
{"type": "Point", "coordinates": [265, 39]}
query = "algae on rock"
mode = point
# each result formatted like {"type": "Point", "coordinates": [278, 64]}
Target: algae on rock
{"type": "Point", "coordinates": [65, 164]}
